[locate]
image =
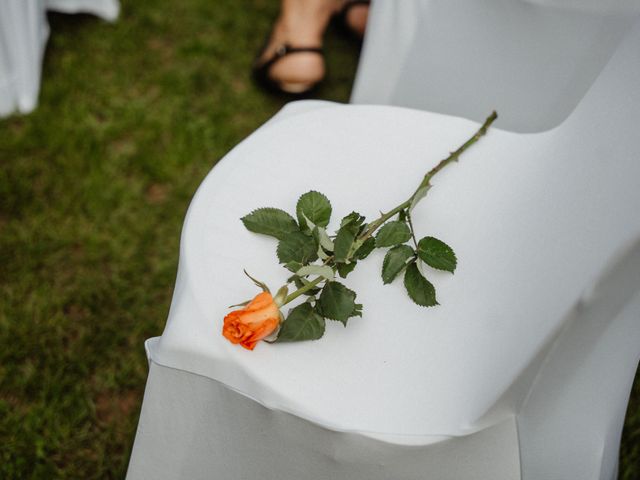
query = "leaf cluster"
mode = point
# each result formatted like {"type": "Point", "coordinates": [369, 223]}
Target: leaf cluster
{"type": "Point", "coordinates": [303, 241]}
{"type": "Point", "coordinates": [315, 258]}
{"type": "Point", "coordinates": [402, 257]}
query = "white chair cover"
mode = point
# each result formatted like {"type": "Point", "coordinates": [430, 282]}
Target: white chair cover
{"type": "Point", "coordinates": [23, 35]}
{"type": "Point", "coordinates": [522, 372]}
{"type": "Point", "coordinates": [532, 60]}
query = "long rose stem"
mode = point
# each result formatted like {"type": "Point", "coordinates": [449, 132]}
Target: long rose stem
{"type": "Point", "coordinates": [453, 157]}
{"type": "Point", "coordinates": [293, 295]}
{"type": "Point", "coordinates": [426, 182]}
{"type": "Point", "coordinates": [373, 226]}
{"type": "Point", "coordinates": [413, 233]}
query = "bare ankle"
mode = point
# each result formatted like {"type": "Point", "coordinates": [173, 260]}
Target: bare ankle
{"type": "Point", "coordinates": [306, 19]}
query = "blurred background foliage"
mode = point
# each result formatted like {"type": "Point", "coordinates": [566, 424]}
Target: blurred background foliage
{"type": "Point", "coordinates": [94, 186]}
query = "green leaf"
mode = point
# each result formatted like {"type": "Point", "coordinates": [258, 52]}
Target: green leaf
{"type": "Point", "coordinates": [419, 195]}
{"type": "Point", "coordinates": [320, 270]}
{"type": "Point", "coordinates": [256, 282]}
{"type": "Point", "coordinates": [337, 302]}
{"type": "Point", "coordinates": [349, 229]}
{"type": "Point", "coordinates": [322, 255]}
{"type": "Point", "coordinates": [302, 323]}
{"type": "Point", "coordinates": [270, 221]}
{"type": "Point", "coordinates": [394, 262]}
{"type": "Point", "coordinates": [365, 249]}
{"type": "Point", "coordinates": [343, 241]}
{"type": "Point", "coordinates": [321, 236]}
{"type": "Point", "coordinates": [315, 207]}
{"type": "Point", "coordinates": [281, 295]}
{"type": "Point", "coordinates": [297, 247]}
{"type": "Point", "coordinates": [420, 290]}
{"type": "Point", "coordinates": [293, 266]}
{"type": "Point", "coordinates": [392, 233]}
{"type": "Point", "coordinates": [242, 304]}
{"type": "Point", "coordinates": [345, 269]}
{"type": "Point", "coordinates": [437, 254]}
{"type": "Point", "coordinates": [301, 282]}
{"type": "Point", "coordinates": [353, 218]}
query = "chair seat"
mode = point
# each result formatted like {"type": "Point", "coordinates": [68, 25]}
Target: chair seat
{"type": "Point", "coordinates": [522, 232]}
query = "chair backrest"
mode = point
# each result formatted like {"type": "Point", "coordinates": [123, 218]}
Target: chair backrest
{"type": "Point", "coordinates": [533, 61]}
{"type": "Point", "coordinates": [575, 391]}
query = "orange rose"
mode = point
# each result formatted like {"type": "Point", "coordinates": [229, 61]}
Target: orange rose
{"type": "Point", "coordinates": [249, 325]}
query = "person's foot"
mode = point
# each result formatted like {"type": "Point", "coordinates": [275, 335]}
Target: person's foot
{"type": "Point", "coordinates": [302, 23]}
{"type": "Point", "coordinates": [356, 18]}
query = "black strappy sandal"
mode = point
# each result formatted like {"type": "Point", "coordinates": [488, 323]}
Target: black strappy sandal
{"type": "Point", "coordinates": [261, 69]}
{"type": "Point", "coordinates": [341, 17]}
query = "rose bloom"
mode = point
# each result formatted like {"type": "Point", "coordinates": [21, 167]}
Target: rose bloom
{"type": "Point", "coordinates": [249, 325]}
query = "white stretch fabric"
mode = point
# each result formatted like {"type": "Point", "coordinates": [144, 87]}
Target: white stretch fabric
{"type": "Point", "coordinates": [523, 371]}
{"type": "Point", "coordinates": [532, 60]}
{"type": "Point", "coordinates": [23, 35]}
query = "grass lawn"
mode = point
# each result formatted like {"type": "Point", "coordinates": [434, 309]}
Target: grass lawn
{"type": "Point", "coordinates": [93, 189]}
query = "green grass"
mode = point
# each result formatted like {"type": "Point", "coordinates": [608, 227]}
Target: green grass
{"type": "Point", "coordinates": [93, 189]}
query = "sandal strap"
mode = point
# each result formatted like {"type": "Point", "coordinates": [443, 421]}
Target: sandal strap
{"type": "Point", "coordinates": [286, 49]}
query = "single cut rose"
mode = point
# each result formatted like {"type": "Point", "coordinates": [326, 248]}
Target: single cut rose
{"type": "Point", "coordinates": [247, 326]}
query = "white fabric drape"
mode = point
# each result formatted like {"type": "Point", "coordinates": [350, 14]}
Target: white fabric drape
{"type": "Point", "coordinates": [23, 35]}
{"type": "Point", "coordinates": [193, 427]}
{"type": "Point", "coordinates": [531, 60]}
{"type": "Point", "coordinates": [522, 372]}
